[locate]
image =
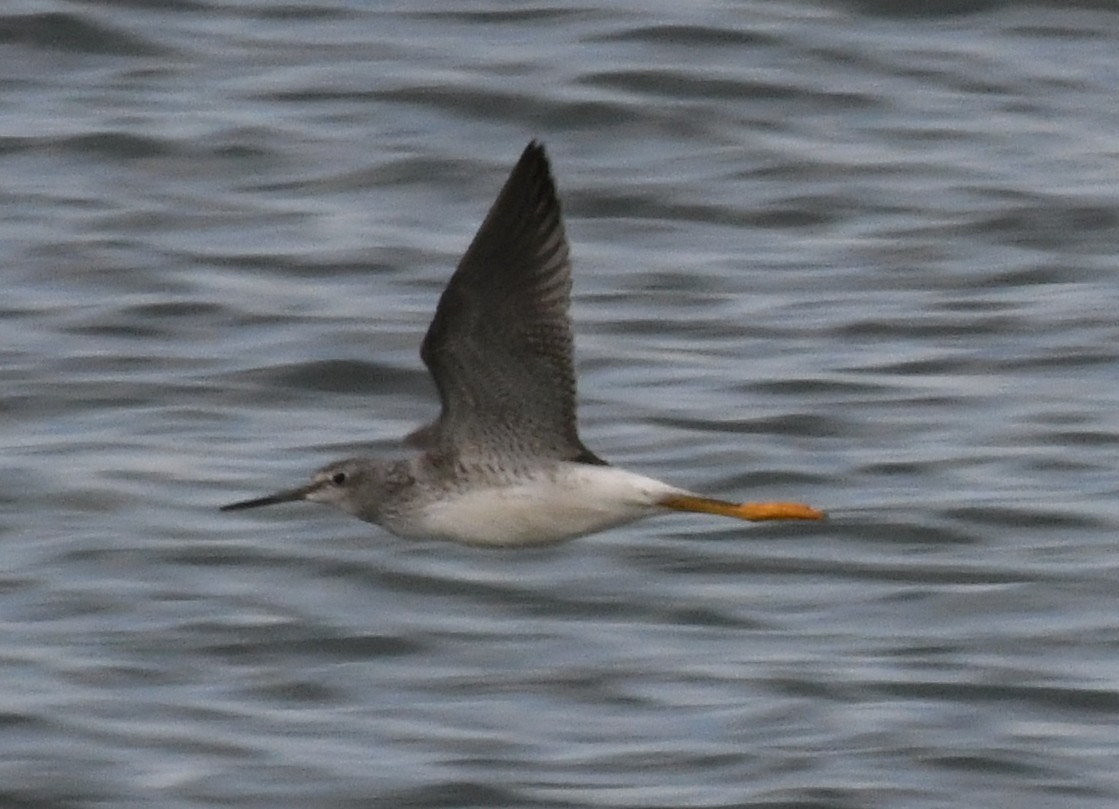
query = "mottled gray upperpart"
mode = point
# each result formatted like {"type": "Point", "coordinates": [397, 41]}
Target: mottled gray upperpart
{"type": "Point", "coordinates": [503, 464]}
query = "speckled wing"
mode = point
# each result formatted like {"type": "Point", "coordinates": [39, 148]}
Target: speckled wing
{"type": "Point", "coordinates": [500, 345]}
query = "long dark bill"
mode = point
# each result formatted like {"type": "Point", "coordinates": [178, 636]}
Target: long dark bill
{"type": "Point", "coordinates": [279, 497]}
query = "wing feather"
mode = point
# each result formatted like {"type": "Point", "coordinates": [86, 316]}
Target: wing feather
{"type": "Point", "coordinates": [500, 345]}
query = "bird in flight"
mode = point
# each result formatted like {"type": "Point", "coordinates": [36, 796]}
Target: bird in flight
{"type": "Point", "coordinates": [503, 464]}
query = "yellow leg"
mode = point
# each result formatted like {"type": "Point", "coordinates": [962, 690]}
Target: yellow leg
{"type": "Point", "coordinates": [743, 511]}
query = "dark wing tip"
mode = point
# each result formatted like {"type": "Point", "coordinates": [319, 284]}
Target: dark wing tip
{"type": "Point", "coordinates": [534, 162]}
{"type": "Point", "coordinates": [526, 204]}
{"type": "Point", "coordinates": [536, 147]}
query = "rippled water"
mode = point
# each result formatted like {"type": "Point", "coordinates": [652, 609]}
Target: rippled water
{"type": "Point", "coordinates": [860, 254]}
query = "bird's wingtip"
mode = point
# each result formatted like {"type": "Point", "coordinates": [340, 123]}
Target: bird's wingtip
{"type": "Point", "coordinates": [535, 149]}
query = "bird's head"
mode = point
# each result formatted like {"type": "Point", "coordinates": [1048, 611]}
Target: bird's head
{"type": "Point", "coordinates": [355, 485]}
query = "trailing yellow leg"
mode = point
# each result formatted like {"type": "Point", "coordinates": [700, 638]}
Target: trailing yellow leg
{"type": "Point", "coordinates": [753, 512]}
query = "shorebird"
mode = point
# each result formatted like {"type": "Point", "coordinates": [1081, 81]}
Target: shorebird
{"type": "Point", "coordinates": [503, 464]}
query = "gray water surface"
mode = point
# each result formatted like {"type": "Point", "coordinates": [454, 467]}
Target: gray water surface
{"type": "Point", "coordinates": [858, 254]}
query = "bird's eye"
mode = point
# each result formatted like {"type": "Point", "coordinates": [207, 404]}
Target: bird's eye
{"type": "Point", "coordinates": [338, 478]}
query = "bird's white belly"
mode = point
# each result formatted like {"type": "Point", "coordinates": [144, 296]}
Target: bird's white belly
{"type": "Point", "coordinates": [570, 500]}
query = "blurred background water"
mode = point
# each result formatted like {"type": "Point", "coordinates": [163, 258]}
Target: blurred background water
{"type": "Point", "coordinates": [855, 253]}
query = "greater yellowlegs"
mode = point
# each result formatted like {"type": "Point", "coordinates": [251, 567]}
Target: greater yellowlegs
{"type": "Point", "coordinates": [503, 464]}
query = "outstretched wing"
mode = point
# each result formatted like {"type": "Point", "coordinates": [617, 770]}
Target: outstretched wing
{"type": "Point", "coordinates": [500, 345]}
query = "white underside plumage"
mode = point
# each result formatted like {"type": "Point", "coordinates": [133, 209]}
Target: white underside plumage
{"type": "Point", "coordinates": [569, 500]}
